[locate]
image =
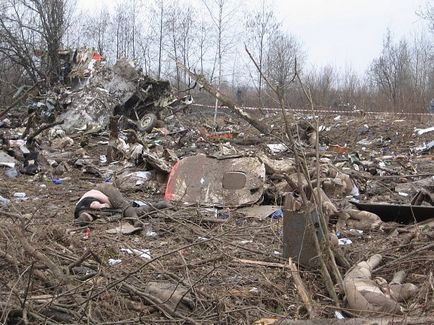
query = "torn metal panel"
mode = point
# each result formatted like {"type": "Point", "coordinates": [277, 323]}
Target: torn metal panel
{"type": "Point", "coordinates": [216, 182]}
{"type": "Point", "coordinates": [6, 160]}
{"type": "Point", "coordinates": [399, 213]}
{"type": "Point", "coordinates": [299, 228]}
{"type": "Point", "coordinates": [157, 163]}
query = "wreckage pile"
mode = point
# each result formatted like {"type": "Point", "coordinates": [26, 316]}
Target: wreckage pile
{"type": "Point", "coordinates": [219, 252]}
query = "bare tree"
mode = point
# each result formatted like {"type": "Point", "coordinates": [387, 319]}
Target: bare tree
{"type": "Point", "coordinates": [120, 27]}
{"type": "Point", "coordinates": [349, 84]}
{"type": "Point", "coordinates": [202, 42]}
{"type": "Point", "coordinates": [221, 15]}
{"type": "Point", "coordinates": [422, 69]}
{"type": "Point", "coordinates": [144, 43]}
{"type": "Point", "coordinates": [125, 28]}
{"type": "Point", "coordinates": [427, 13]}
{"type": "Point", "coordinates": [160, 4]}
{"type": "Point", "coordinates": [179, 26]}
{"type": "Point", "coordinates": [390, 72]}
{"type": "Point", "coordinates": [322, 84]}
{"type": "Point", "coordinates": [31, 34]}
{"type": "Point", "coordinates": [261, 26]}
{"type": "Point", "coordinates": [96, 31]}
{"type": "Point", "coordinates": [282, 56]}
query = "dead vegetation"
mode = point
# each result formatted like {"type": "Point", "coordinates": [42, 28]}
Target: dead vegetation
{"type": "Point", "coordinates": [208, 262]}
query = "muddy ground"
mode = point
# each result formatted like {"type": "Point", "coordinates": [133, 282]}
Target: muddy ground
{"type": "Point", "coordinates": [210, 256]}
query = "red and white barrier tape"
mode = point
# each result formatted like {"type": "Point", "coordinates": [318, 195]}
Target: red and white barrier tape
{"type": "Point", "coordinates": [275, 109]}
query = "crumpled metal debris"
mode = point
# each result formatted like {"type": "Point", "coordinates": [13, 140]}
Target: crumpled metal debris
{"type": "Point", "coordinates": [201, 180]}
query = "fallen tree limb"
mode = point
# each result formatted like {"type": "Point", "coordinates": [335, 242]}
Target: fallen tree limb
{"type": "Point", "coordinates": [301, 289]}
{"type": "Point", "coordinates": [19, 310]}
{"type": "Point", "coordinates": [225, 100]}
{"type": "Point", "coordinates": [427, 247]}
{"type": "Point", "coordinates": [144, 265]}
{"type": "Point", "coordinates": [18, 100]}
{"type": "Point", "coordinates": [11, 214]}
{"type": "Point", "coordinates": [54, 268]}
{"type": "Point", "coordinates": [261, 263]}
{"type": "Point", "coordinates": [41, 129]}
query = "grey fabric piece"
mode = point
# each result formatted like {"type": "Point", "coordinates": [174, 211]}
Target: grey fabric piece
{"type": "Point", "coordinates": [115, 196]}
{"type": "Point", "coordinates": [117, 200]}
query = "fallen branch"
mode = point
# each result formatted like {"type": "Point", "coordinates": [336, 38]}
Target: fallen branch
{"type": "Point", "coordinates": [35, 315]}
{"type": "Point", "coordinates": [143, 266]}
{"type": "Point", "coordinates": [262, 263]}
{"type": "Point", "coordinates": [301, 289]}
{"type": "Point", "coordinates": [41, 129]}
{"type": "Point", "coordinates": [225, 100]}
{"type": "Point", "coordinates": [55, 269]}
{"type": "Point", "coordinates": [19, 99]}
{"type": "Point", "coordinates": [404, 257]}
{"type": "Point", "coordinates": [79, 261]}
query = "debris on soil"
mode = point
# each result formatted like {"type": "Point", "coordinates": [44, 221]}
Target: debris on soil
{"type": "Point", "coordinates": [179, 222]}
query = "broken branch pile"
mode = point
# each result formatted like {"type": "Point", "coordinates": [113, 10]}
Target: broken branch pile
{"type": "Point", "coordinates": [245, 216]}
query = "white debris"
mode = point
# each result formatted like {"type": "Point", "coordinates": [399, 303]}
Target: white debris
{"type": "Point", "coordinates": [151, 233]}
{"type": "Point", "coordinates": [103, 159]}
{"type": "Point", "coordinates": [345, 241]}
{"type": "Point", "coordinates": [338, 315]}
{"type": "Point", "coordinates": [4, 201]}
{"type": "Point", "coordinates": [365, 142]}
{"type": "Point", "coordinates": [423, 131]}
{"type": "Point", "coordinates": [355, 191]}
{"type": "Point", "coordinates": [277, 147]}
{"type": "Point", "coordinates": [143, 253]}
{"type": "Point", "coordinates": [113, 261]}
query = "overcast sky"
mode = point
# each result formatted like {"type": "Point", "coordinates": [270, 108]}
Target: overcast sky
{"type": "Point", "coordinates": [348, 32]}
{"type": "Point", "coordinates": [341, 33]}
